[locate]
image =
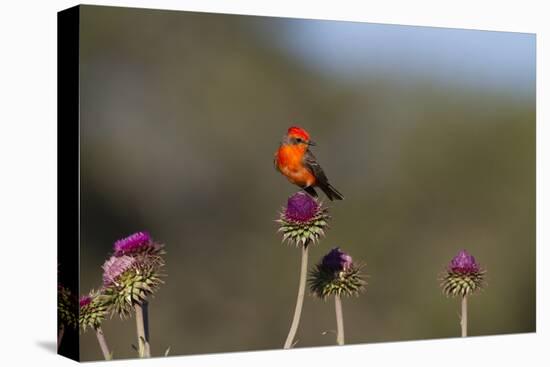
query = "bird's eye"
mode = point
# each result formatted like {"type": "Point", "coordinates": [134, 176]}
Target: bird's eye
{"type": "Point", "coordinates": [298, 140]}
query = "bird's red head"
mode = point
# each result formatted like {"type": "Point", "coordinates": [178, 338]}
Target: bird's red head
{"type": "Point", "coordinates": [297, 132]}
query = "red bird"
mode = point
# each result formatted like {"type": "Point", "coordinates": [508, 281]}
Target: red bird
{"type": "Point", "coordinates": [294, 160]}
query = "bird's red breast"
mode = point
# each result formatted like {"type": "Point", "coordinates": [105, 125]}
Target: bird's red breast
{"type": "Point", "coordinates": [289, 161]}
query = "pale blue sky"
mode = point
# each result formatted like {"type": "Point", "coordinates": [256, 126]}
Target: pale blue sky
{"type": "Point", "coordinates": [467, 58]}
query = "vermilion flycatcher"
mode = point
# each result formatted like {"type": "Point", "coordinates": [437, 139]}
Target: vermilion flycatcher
{"type": "Point", "coordinates": [294, 160]}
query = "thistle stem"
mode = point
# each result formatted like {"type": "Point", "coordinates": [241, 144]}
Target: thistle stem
{"type": "Point", "coordinates": [103, 343]}
{"type": "Point", "coordinates": [464, 317]}
{"type": "Point", "coordinates": [60, 335]}
{"type": "Point", "coordinates": [299, 301]}
{"type": "Point", "coordinates": [142, 323]}
{"type": "Point", "coordinates": [339, 320]}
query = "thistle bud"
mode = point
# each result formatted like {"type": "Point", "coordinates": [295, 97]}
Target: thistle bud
{"type": "Point", "coordinates": [93, 309]}
{"type": "Point", "coordinates": [303, 220]}
{"type": "Point", "coordinates": [463, 276]}
{"type": "Point", "coordinates": [336, 275]}
{"type": "Point", "coordinates": [129, 281]}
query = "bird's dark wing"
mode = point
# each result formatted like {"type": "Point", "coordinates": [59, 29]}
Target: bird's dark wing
{"type": "Point", "coordinates": [311, 163]}
{"type": "Point", "coordinates": [310, 190]}
{"type": "Point", "coordinates": [322, 181]}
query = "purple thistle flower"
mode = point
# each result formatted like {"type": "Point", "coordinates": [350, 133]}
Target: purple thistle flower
{"type": "Point", "coordinates": [115, 266]}
{"type": "Point", "coordinates": [84, 301]}
{"type": "Point", "coordinates": [337, 260]}
{"type": "Point", "coordinates": [132, 243]}
{"type": "Point", "coordinates": [463, 263]}
{"type": "Point", "coordinates": [301, 207]}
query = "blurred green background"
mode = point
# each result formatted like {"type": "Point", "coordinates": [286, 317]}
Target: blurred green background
{"type": "Point", "coordinates": [429, 133]}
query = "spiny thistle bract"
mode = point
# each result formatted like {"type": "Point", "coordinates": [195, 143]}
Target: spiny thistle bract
{"type": "Point", "coordinates": [463, 276]}
{"type": "Point", "coordinates": [303, 220]}
{"type": "Point", "coordinates": [67, 309]}
{"type": "Point", "coordinates": [336, 275]}
{"type": "Point", "coordinates": [93, 309]}
{"type": "Point", "coordinates": [127, 282]}
{"type": "Point", "coordinates": [132, 273]}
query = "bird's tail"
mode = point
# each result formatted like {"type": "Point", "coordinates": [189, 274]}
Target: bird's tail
{"type": "Point", "coordinates": [331, 192]}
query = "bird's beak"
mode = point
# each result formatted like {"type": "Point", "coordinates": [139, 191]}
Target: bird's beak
{"type": "Point", "coordinates": [312, 143]}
